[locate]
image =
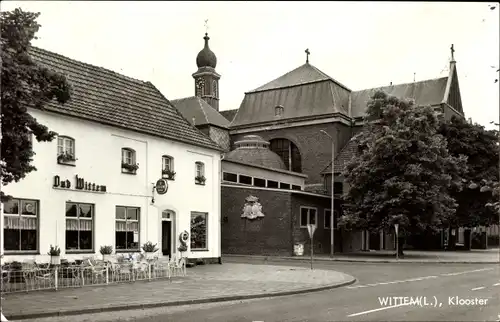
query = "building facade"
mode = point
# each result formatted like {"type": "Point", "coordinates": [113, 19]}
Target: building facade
{"type": "Point", "coordinates": [97, 181]}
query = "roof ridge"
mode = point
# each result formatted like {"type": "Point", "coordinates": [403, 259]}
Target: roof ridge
{"type": "Point", "coordinates": [78, 62]}
{"type": "Point", "coordinates": [330, 78]}
{"type": "Point", "coordinates": [203, 110]}
{"type": "Point", "coordinates": [401, 84]}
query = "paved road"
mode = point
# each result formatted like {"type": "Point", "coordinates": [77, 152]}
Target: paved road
{"type": "Point", "coordinates": [424, 283]}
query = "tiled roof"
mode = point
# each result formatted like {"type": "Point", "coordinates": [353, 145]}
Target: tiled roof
{"type": "Point", "coordinates": [103, 96]}
{"type": "Point", "coordinates": [303, 93]}
{"type": "Point", "coordinates": [304, 74]}
{"type": "Point", "coordinates": [427, 92]}
{"type": "Point", "coordinates": [344, 156]}
{"type": "Point", "coordinates": [254, 150]}
{"type": "Point", "coordinates": [229, 114]}
{"type": "Point", "coordinates": [203, 114]}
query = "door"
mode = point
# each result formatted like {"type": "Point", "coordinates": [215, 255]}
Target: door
{"type": "Point", "coordinates": [166, 238]}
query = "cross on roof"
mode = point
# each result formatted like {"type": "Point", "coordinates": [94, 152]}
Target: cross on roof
{"type": "Point", "coordinates": [307, 55]}
{"type": "Point", "coordinates": [452, 51]}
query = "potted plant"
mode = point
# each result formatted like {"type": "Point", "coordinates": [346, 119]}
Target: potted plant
{"type": "Point", "coordinates": [168, 174]}
{"type": "Point", "coordinates": [131, 168]}
{"type": "Point", "coordinates": [200, 180]}
{"type": "Point", "coordinates": [149, 248]}
{"type": "Point", "coordinates": [105, 252]}
{"type": "Point", "coordinates": [55, 252]}
{"type": "Point", "coordinates": [65, 158]}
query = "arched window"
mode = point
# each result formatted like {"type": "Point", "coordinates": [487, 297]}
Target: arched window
{"type": "Point", "coordinates": [66, 150]}
{"type": "Point", "coordinates": [200, 87]}
{"type": "Point", "coordinates": [167, 167]}
{"type": "Point", "coordinates": [129, 164]}
{"type": "Point", "coordinates": [279, 110]}
{"type": "Point", "coordinates": [288, 152]}
{"type": "Point", "coordinates": [215, 92]}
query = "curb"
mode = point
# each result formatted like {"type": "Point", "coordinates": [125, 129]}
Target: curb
{"type": "Point", "coordinates": [14, 317]}
{"type": "Point", "coordinates": [347, 260]}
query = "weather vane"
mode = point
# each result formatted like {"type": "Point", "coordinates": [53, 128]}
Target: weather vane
{"type": "Point", "coordinates": [206, 26]}
{"type": "Point", "coordinates": [452, 52]}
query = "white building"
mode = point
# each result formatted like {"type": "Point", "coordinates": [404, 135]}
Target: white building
{"type": "Point", "coordinates": [117, 135]}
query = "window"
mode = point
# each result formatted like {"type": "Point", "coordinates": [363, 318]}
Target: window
{"type": "Point", "coordinates": [199, 228]}
{"type": "Point", "coordinates": [294, 187]}
{"type": "Point", "coordinates": [288, 152]}
{"type": "Point", "coordinates": [65, 150]}
{"type": "Point", "coordinates": [21, 225]}
{"type": "Point", "coordinates": [200, 87]}
{"type": "Point", "coordinates": [167, 167]}
{"type": "Point", "coordinates": [232, 177]}
{"type": "Point", "coordinates": [199, 173]}
{"type": "Point", "coordinates": [278, 110]}
{"type": "Point", "coordinates": [259, 182]}
{"type": "Point", "coordinates": [308, 216]}
{"type": "Point", "coordinates": [214, 88]}
{"type": "Point", "coordinates": [272, 184]}
{"type": "Point", "coordinates": [338, 187]}
{"type": "Point", "coordinates": [284, 185]}
{"type": "Point", "coordinates": [79, 226]}
{"type": "Point", "coordinates": [245, 179]}
{"type": "Point", "coordinates": [129, 164]}
{"type": "Point", "coordinates": [127, 228]}
{"type": "Point", "coordinates": [328, 219]}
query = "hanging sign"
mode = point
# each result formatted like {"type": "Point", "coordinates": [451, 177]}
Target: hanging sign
{"type": "Point", "coordinates": [161, 186]}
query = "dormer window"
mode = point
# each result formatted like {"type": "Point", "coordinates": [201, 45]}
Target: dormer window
{"type": "Point", "coordinates": [167, 168]}
{"type": "Point", "coordinates": [278, 110]}
{"type": "Point", "coordinates": [129, 164]}
{"type": "Point", "coordinates": [199, 173]}
{"type": "Point", "coordinates": [66, 150]}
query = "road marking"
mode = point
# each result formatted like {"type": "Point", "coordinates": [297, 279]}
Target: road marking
{"type": "Point", "coordinates": [376, 310]}
{"type": "Point", "coordinates": [393, 282]}
{"type": "Point", "coordinates": [465, 272]}
{"type": "Point", "coordinates": [478, 288]}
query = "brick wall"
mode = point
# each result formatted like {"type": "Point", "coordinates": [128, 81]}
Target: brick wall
{"type": "Point", "coordinates": [315, 147]}
{"type": "Point", "coordinates": [321, 240]}
{"type": "Point", "coordinates": [270, 235]}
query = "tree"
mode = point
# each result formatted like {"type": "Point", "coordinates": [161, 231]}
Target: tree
{"type": "Point", "coordinates": [481, 148]}
{"type": "Point", "coordinates": [402, 171]}
{"type": "Point", "coordinates": [24, 84]}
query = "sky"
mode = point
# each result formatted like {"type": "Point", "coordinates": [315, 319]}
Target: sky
{"type": "Point", "coordinates": [360, 44]}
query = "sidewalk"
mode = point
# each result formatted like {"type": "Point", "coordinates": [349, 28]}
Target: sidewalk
{"type": "Point", "coordinates": [476, 256]}
{"type": "Point", "coordinates": [208, 283]}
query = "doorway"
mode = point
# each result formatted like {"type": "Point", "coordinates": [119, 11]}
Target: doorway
{"type": "Point", "coordinates": [166, 238]}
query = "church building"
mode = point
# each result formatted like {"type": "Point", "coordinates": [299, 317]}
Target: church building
{"type": "Point", "coordinates": [296, 117]}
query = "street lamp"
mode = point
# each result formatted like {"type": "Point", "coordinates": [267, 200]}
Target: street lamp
{"type": "Point", "coordinates": [332, 218]}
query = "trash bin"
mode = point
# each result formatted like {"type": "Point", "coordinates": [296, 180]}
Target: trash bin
{"type": "Point", "coordinates": [298, 249]}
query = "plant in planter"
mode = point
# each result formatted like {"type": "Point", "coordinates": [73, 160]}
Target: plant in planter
{"type": "Point", "coordinates": [130, 167]}
{"type": "Point", "coordinates": [183, 238]}
{"type": "Point", "coordinates": [168, 174]}
{"type": "Point", "coordinates": [200, 179]}
{"type": "Point", "coordinates": [55, 252]}
{"type": "Point", "coordinates": [65, 157]}
{"type": "Point", "coordinates": [105, 252]}
{"type": "Point", "coordinates": [149, 248]}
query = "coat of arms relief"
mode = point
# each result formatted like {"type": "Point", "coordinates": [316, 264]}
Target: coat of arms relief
{"type": "Point", "coordinates": [252, 208]}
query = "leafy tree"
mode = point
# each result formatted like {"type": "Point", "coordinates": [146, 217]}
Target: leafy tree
{"type": "Point", "coordinates": [481, 148]}
{"type": "Point", "coordinates": [24, 84]}
{"type": "Point", "coordinates": [402, 171]}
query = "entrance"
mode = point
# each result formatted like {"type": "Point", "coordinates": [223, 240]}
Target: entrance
{"type": "Point", "coordinates": [166, 238]}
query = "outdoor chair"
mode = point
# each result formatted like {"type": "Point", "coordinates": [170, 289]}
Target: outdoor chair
{"type": "Point", "coordinates": [97, 271]}
{"type": "Point", "coordinates": [5, 278]}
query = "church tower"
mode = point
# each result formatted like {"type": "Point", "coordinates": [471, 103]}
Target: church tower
{"type": "Point", "coordinates": [206, 79]}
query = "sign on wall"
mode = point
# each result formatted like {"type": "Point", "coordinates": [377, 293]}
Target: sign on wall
{"type": "Point", "coordinates": [161, 186]}
{"type": "Point", "coordinates": [252, 208]}
{"type": "Point", "coordinates": [80, 184]}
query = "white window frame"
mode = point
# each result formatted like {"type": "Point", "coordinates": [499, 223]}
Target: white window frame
{"type": "Point", "coordinates": [21, 217]}
{"type": "Point", "coordinates": [79, 219]}
{"type": "Point", "coordinates": [199, 169]}
{"type": "Point", "coordinates": [308, 216]}
{"type": "Point", "coordinates": [66, 144]}
{"type": "Point", "coordinates": [170, 162]}
{"type": "Point", "coordinates": [194, 214]}
{"type": "Point", "coordinates": [128, 159]}
{"type": "Point", "coordinates": [127, 221]}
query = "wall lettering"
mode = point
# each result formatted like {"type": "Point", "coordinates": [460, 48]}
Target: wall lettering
{"type": "Point", "coordinates": [80, 184]}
